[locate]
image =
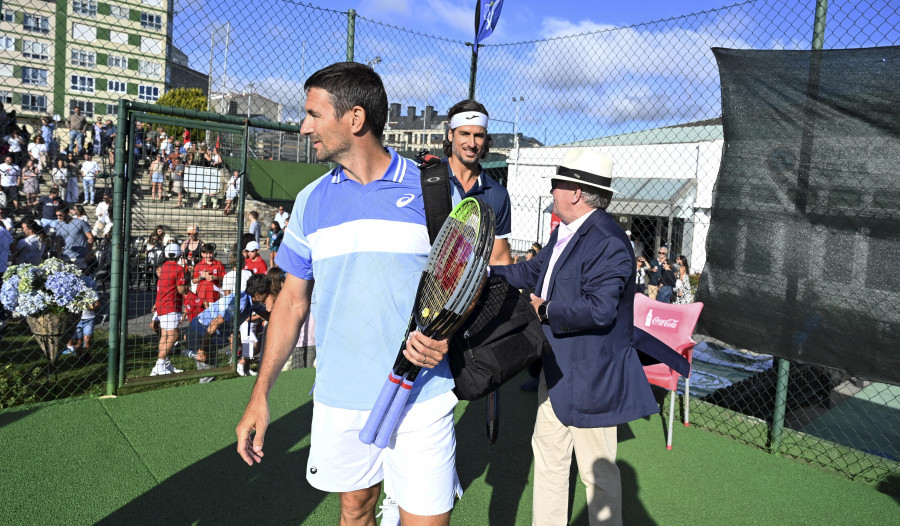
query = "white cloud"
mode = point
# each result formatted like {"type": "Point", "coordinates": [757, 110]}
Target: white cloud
{"type": "Point", "coordinates": [453, 14]}
{"type": "Point", "coordinates": [619, 75]}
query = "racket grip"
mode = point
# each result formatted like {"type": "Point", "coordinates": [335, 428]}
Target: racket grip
{"type": "Point", "coordinates": [392, 418]}
{"type": "Point", "coordinates": [382, 404]}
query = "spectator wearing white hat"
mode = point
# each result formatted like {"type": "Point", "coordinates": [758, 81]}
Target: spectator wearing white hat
{"type": "Point", "coordinates": [170, 289]}
{"type": "Point", "coordinates": [253, 262]}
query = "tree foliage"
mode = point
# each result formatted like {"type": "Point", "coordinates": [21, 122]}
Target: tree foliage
{"type": "Point", "coordinates": [187, 98]}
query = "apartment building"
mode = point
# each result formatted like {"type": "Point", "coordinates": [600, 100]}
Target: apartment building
{"type": "Point", "coordinates": [56, 55]}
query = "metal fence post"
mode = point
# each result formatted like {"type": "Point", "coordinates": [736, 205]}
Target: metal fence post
{"type": "Point", "coordinates": [236, 328]}
{"type": "Point", "coordinates": [129, 161]}
{"type": "Point", "coordinates": [351, 33]}
{"type": "Point", "coordinates": [473, 70]}
{"type": "Point", "coordinates": [784, 365]}
{"type": "Point", "coordinates": [117, 256]}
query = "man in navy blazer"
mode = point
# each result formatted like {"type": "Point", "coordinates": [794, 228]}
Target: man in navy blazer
{"type": "Point", "coordinates": [592, 380]}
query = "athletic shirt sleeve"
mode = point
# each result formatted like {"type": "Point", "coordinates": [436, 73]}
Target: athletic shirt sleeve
{"type": "Point", "coordinates": [294, 255]}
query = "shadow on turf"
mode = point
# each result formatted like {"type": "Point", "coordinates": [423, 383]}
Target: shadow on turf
{"type": "Point", "coordinates": [221, 489]}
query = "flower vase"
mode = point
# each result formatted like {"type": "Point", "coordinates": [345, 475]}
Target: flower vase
{"type": "Point", "coordinates": [50, 329]}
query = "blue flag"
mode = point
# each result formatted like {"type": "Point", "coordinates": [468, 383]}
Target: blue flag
{"type": "Point", "coordinates": [487, 12]}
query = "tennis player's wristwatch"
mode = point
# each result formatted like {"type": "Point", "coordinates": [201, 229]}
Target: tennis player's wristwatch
{"type": "Point", "coordinates": [542, 312]}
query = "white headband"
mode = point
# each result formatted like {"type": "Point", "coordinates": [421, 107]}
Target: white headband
{"type": "Point", "coordinates": [467, 118]}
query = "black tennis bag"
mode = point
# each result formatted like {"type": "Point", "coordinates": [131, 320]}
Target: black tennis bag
{"type": "Point", "coordinates": [501, 337]}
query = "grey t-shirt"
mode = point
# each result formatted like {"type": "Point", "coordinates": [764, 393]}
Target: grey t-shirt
{"type": "Point", "coordinates": [74, 240]}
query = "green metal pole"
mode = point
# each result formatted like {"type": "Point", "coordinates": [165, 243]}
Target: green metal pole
{"type": "Point", "coordinates": [235, 326]}
{"type": "Point", "coordinates": [784, 365]}
{"type": "Point", "coordinates": [473, 69]}
{"type": "Point", "coordinates": [351, 33]}
{"type": "Point", "coordinates": [819, 25]}
{"type": "Point", "coordinates": [128, 159]}
{"type": "Point", "coordinates": [115, 285]}
{"type": "Point", "coordinates": [198, 115]}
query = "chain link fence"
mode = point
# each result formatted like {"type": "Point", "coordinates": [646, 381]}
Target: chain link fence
{"type": "Point", "coordinates": [647, 95]}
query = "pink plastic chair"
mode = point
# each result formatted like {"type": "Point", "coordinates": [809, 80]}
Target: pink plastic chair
{"type": "Point", "coordinates": [673, 325]}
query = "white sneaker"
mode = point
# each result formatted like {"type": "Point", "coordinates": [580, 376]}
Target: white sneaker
{"type": "Point", "coordinates": [171, 368]}
{"type": "Point", "coordinates": [240, 370]}
{"type": "Point", "coordinates": [159, 370]}
{"type": "Point", "coordinates": [390, 512]}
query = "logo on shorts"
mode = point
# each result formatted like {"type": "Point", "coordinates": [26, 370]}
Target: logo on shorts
{"type": "Point", "coordinates": [313, 470]}
{"type": "Point", "coordinates": [405, 200]}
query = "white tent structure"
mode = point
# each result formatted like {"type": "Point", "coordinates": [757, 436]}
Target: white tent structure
{"type": "Point", "coordinates": [666, 175]}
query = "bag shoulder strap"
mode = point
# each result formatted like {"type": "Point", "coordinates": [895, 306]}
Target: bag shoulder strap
{"type": "Point", "coordinates": [436, 194]}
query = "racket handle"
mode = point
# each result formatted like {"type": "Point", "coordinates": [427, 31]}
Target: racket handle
{"type": "Point", "coordinates": [382, 404]}
{"type": "Point", "coordinates": [392, 418]}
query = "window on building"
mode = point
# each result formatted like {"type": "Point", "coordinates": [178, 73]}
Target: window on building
{"type": "Point", "coordinates": [151, 21]}
{"type": "Point", "coordinates": [37, 50]}
{"type": "Point", "coordinates": [148, 93]}
{"type": "Point", "coordinates": [85, 59]}
{"type": "Point", "coordinates": [112, 108]}
{"type": "Point", "coordinates": [37, 23]}
{"type": "Point", "coordinates": [148, 68]}
{"type": "Point", "coordinates": [118, 12]}
{"type": "Point", "coordinates": [7, 43]}
{"type": "Point", "coordinates": [9, 15]}
{"type": "Point", "coordinates": [87, 108]}
{"type": "Point", "coordinates": [117, 86]}
{"type": "Point", "coordinates": [84, 32]}
{"type": "Point", "coordinates": [117, 61]}
{"type": "Point", "coordinates": [35, 76]}
{"type": "Point", "coordinates": [84, 7]}
{"type": "Point", "coordinates": [118, 37]}
{"type": "Point", "coordinates": [151, 45]}
{"type": "Point", "coordinates": [6, 70]}
{"type": "Point", "coordinates": [82, 83]}
{"type": "Point", "coordinates": [34, 102]}
{"type": "Point", "coordinates": [6, 97]}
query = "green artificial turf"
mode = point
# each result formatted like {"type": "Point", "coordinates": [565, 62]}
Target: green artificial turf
{"type": "Point", "coordinates": [168, 457]}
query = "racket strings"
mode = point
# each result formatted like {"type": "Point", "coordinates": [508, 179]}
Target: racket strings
{"type": "Point", "coordinates": [444, 272]}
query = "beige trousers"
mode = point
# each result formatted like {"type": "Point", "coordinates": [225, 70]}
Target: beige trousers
{"type": "Point", "coordinates": [652, 291]}
{"type": "Point", "coordinates": [595, 454]}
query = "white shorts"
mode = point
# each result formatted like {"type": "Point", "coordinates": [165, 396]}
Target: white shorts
{"type": "Point", "coordinates": [418, 466]}
{"type": "Point", "coordinates": [170, 321]}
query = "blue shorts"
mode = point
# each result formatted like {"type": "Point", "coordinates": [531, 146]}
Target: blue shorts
{"type": "Point", "coordinates": [84, 328]}
{"type": "Point", "coordinates": [157, 178]}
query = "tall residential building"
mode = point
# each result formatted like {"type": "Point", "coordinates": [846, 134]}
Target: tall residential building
{"type": "Point", "coordinates": [56, 55]}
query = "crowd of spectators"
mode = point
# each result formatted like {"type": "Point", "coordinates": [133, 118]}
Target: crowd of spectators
{"type": "Point", "coordinates": [664, 280]}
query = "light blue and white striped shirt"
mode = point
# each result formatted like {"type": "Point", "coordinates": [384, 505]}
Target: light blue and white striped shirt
{"type": "Point", "coordinates": [365, 246]}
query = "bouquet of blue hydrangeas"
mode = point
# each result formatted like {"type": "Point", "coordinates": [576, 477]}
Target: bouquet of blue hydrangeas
{"type": "Point", "coordinates": [51, 287]}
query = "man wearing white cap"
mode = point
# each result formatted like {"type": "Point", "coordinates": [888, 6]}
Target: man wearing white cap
{"type": "Point", "coordinates": [466, 144]}
{"type": "Point", "coordinates": [593, 379]}
{"type": "Point", "coordinates": [254, 263]}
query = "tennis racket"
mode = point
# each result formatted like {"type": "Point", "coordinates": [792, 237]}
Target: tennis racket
{"type": "Point", "coordinates": [448, 288]}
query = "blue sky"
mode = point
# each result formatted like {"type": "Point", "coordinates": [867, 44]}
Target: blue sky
{"type": "Point", "coordinates": [524, 19]}
{"type": "Point", "coordinates": [586, 68]}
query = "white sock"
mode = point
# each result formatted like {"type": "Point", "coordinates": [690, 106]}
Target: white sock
{"type": "Point", "coordinates": [160, 361]}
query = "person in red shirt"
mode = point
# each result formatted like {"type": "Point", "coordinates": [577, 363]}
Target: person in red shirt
{"type": "Point", "coordinates": [208, 275]}
{"type": "Point", "coordinates": [170, 289]}
{"type": "Point", "coordinates": [253, 262]}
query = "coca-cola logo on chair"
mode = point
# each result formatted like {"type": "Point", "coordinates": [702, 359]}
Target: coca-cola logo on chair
{"type": "Point", "coordinates": [670, 323]}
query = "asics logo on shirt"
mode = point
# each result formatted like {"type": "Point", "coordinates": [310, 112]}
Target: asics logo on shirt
{"type": "Point", "coordinates": [405, 200]}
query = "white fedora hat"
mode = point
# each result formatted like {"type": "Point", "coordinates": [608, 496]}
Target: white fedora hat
{"type": "Point", "coordinates": [585, 167]}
